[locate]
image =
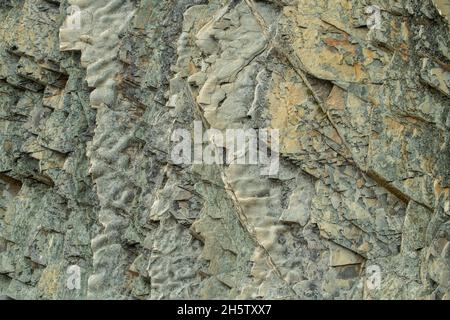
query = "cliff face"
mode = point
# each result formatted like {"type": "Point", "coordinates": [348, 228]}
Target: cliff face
{"type": "Point", "coordinates": [92, 204]}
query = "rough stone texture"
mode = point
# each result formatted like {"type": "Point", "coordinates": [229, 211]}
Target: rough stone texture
{"type": "Point", "coordinates": [86, 178]}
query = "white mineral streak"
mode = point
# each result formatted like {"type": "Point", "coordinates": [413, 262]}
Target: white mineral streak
{"type": "Point", "coordinates": [102, 21]}
{"type": "Point", "coordinates": [231, 41]}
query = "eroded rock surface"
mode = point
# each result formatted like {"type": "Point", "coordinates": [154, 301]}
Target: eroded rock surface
{"type": "Point", "coordinates": [359, 209]}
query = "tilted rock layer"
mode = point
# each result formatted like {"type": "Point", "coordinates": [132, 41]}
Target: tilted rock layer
{"type": "Point", "coordinates": [360, 206]}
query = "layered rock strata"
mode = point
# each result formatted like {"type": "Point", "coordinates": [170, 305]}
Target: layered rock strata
{"type": "Point", "coordinates": [91, 92]}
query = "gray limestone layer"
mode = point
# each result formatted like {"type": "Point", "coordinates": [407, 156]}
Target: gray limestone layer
{"type": "Point", "coordinates": [92, 205]}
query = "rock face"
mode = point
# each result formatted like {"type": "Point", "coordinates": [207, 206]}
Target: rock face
{"type": "Point", "coordinates": [92, 206]}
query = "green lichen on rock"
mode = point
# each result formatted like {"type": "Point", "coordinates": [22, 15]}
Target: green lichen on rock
{"type": "Point", "coordinates": [88, 188]}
